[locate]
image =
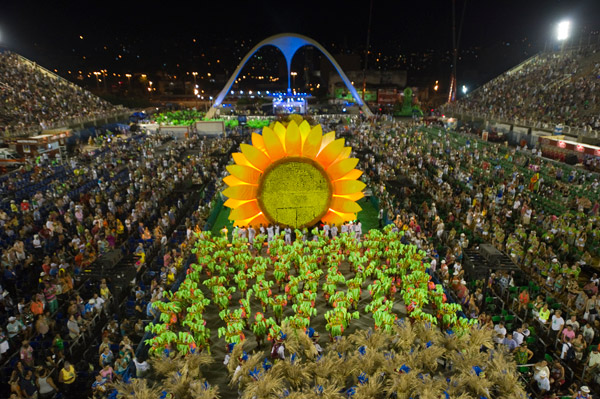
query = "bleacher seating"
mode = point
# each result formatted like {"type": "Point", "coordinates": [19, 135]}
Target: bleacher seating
{"type": "Point", "coordinates": [551, 88]}
{"type": "Point", "coordinates": [32, 97]}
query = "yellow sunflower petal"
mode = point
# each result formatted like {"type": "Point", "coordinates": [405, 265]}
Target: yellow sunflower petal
{"type": "Point", "coordinates": [330, 153]}
{"type": "Point", "coordinates": [245, 211]}
{"type": "Point", "coordinates": [244, 192]}
{"type": "Point", "coordinates": [234, 203]}
{"type": "Point", "coordinates": [273, 144]}
{"type": "Point", "coordinates": [354, 174]}
{"type": "Point", "coordinates": [232, 181]}
{"type": "Point", "coordinates": [293, 140]}
{"type": "Point", "coordinates": [241, 159]}
{"type": "Point", "coordinates": [351, 197]}
{"type": "Point", "coordinates": [344, 154]}
{"type": "Point", "coordinates": [257, 141]}
{"type": "Point", "coordinates": [244, 173]}
{"type": "Point", "coordinates": [279, 130]}
{"type": "Point", "coordinates": [304, 130]}
{"type": "Point", "coordinates": [332, 218]}
{"type": "Point", "coordinates": [254, 221]}
{"type": "Point", "coordinates": [342, 187]}
{"type": "Point", "coordinates": [341, 168]}
{"type": "Point", "coordinates": [340, 204]}
{"type": "Point", "coordinates": [312, 144]}
{"type": "Point", "coordinates": [296, 118]}
{"type": "Point", "coordinates": [258, 158]}
{"type": "Point", "coordinates": [327, 138]}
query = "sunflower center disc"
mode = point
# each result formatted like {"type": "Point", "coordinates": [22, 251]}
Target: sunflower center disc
{"type": "Point", "coordinates": [294, 192]}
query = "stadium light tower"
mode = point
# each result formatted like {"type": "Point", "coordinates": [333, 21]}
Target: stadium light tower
{"type": "Point", "coordinates": [562, 31]}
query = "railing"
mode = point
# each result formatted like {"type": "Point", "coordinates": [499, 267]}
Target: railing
{"type": "Point", "coordinates": [41, 68]}
{"type": "Point", "coordinates": [530, 123]}
{"type": "Point", "coordinates": [30, 130]}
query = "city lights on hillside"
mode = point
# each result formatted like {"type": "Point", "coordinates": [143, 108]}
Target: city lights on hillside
{"type": "Point", "coordinates": [563, 29]}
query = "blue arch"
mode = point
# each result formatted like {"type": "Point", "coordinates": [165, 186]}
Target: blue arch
{"type": "Point", "coordinates": [288, 44]}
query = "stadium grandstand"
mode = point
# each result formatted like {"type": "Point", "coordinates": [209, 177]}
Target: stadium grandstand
{"type": "Point", "coordinates": [122, 275]}
{"type": "Point", "coordinates": [35, 99]}
{"type": "Point", "coordinates": [549, 89]}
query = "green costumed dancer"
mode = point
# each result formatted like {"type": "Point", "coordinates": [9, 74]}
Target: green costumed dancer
{"type": "Point", "coordinates": [259, 328]}
{"type": "Point", "coordinates": [278, 303]}
{"type": "Point", "coordinates": [262, 291]}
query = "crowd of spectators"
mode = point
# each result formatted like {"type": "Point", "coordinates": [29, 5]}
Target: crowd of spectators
{"type": "Point", "coordinates": [444, 190]}
{"type": "Point", "coordinates": [449, 192]}
{"type": "Point", "coordinates": [34, 98]}
{"type": "Point", "coordinates": [550, 89]}
{"type": "Point", "coordinates": [61, 221]}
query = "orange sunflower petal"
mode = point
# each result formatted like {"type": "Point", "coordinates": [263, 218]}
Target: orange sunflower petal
{"type": "Point", "coordinates": [344, 215]}
{"type": "Point", "coordinates": [232, 181]}
{"type": "Point", "coordinates": [342, 187]}
{"type": "Point", "coordinates": [341, 168]}
{"type": "Point", "coordinates": [293, 140]}
{"type": "Point", "coordinates": [253, 221]}
{"type": "Point", "coordinates": [340, 204]}
{"type": "Point", "coordinates": [258, 158]}
{"type": "Point", "coordinates": [244, 173]}
{"type": "Point", "coordinates": [304, 130]}
{"type": "Point", "coordinates": [257, 141]}
{"type": "Point", "coordinates": [274, 146]}
{"type": "Point", "coordinates": [234, 203]}
{"type": "Point", "coordinates": [245, 211]}
{"type": "Point", "coordinates": [243, 192]}
{"type": "Point", "coordinates": [330, 153]}
{"type": "Point", "coordinates": [312, 144]}
{"type": "Point", "coordinates": [332, 218]}
{"type": "Point", "coordinates": [354, 174]}
{"type": "Point", "coordinates": [351, 197]}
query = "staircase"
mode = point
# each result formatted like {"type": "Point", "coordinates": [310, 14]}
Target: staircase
{"type": "Point", "coordinates": [478, 266]}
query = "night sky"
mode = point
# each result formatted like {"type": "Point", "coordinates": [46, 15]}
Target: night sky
{"type": "Point", "coordinates": [150, 36]}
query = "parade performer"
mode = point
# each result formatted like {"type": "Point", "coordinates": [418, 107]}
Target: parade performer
{"type": "Point", "coordinates": [280, 272]}
{"type": "Point", "coordinates": [245, 307]}
{"type": "Point", "coordinates": [278, 348]}
{"type": "Point", "coordinates": [259, 328]}
{"type": "Point", "coordinates": [234, 326]}
{"type": "Point", "coordinates": [288, 235]}
{"type": "Point", "coordinates": [262, 291]}
{"type": "Point", "coordinates": [337, 321]}
{"type": "Point", "coordinates": [278, 303]}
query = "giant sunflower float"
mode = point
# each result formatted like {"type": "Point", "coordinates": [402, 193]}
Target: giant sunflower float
{"type": "Point", "coordinates": [293, 176]}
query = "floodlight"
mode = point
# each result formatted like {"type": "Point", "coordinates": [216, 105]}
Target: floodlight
{"type": "Point", "coordinates": [562, 31]}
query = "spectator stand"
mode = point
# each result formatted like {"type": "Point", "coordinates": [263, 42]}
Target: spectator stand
{"type": "Point", "coordinates": [499, 300]}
